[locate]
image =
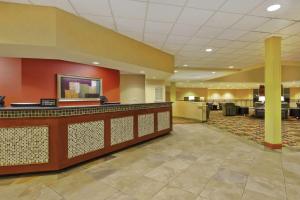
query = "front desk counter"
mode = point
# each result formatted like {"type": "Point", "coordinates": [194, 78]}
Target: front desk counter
{"type": "Point", "coordinates": [49, 139]}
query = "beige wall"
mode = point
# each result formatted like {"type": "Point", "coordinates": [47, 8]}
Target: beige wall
{"type": "Point", "coordinates": [217, 94]}
{"type": "Point", "coordinates": [151, 85]}
{"type": "Point", "coordinates": [132, 88]}
{"type": "Point", "coordinates": [295, 93]}
{"type": "Point", "coordinates": [185, 92]}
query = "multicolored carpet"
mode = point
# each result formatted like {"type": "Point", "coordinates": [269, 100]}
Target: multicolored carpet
{"type": "Point", "coordinates": [253, 128]}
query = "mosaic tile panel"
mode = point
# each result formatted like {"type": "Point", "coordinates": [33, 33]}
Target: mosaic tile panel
{"type": "Point", "coordinates": [163, 120]}
{"type": "Point", "coordinates": [145, 124]}
{"type": "Point", "coordinates": [23, 146]}
{"type": "Point", "coordinates": [121, 130]}
{"type": "Point", "coordinates": [85, 137]}
{"type": "Point", "coordinates": [11, 113]}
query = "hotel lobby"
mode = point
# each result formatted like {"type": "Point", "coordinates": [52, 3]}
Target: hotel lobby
{"type": "Point", "coordinates": [149, 99]}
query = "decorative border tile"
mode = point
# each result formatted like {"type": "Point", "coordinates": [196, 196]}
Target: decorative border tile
{"type": "Point", "coordinates": [11, 113]}
{"type": "Point", "coordinates": [145, 124]}
{"type": "Point", "coordinates": [121, 130]}
{"type": "Point", "coordinates": [85, 137]}
{"type": "Point", "coordinates": [23, 146]}
{"type": "Point", "coordinates": [163, 120]}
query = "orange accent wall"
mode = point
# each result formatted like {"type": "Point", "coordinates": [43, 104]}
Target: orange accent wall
{"type": "Point", "coordinates": [37, 79]}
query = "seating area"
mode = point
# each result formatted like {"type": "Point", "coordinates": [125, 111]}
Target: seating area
{"type": "Point", "coordinates": [252, 127]}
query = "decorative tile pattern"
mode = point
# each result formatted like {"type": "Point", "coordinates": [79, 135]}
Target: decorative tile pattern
{"type": "Point", "coordinates": [75, 111]}
{"type": "Point", "coordinates": [23, 146]}
{"type": "Point", "coordinates": [145, 124]}
{"type": "Point", "coordinates": [163, 120]}
{"type": "Point", "coordinates": [85, 137]}
{"type": "Point", "coordinates": [121, 130]}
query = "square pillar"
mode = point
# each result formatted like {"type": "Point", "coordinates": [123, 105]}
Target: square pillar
{"type": "Point", "coordinates": [173, 92]}
{"type": "Point", "coordinates": [273, 93]}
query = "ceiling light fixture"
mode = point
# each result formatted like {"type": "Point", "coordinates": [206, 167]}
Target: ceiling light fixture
{"type": "Point", "coordinates": [96, 63]}
{"type": "Point", "coordinates": [208, 50]}
{"type": "Point", "coordinates": [185, 65]}
{"type": "Point", "coordinates": [213, 72]}
{"type": "Point", "coordinates": [175, 71]}
{"type": "Point", "coordinates": [142, 72]}
{"type": "Point", "coordinates": [231, 67]}
{"type": "Point", "coordinates": [273, 8]}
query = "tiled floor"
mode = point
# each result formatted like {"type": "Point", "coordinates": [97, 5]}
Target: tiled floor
{"type": "Point", "coordinates": [195, 162]}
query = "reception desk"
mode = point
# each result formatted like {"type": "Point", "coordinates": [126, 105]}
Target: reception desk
{"type": "Point", "coordinates": [190, 110]}
{"type": "Point", "coordinates": [49, 139]}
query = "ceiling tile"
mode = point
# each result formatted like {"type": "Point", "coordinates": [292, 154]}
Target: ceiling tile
{"type": "Point", "coordinates": [274, 25]}
{"type": "Point", "coordinates": [206, 4]}
{"type": "Point", "coordinates": [163, 13]}
{"type": "Point", "coordinates": [238, 6]}
{"type": "Point", "coordinates": [291, 30]}
{"type": "Point", "coordinates": [150, 37]}
{"type": "Point", "coordinates": [289, 9]}
{"type": "Point", "coordinates": [254, 36]}
{"type": "Point", "coordinates": [184, 30]}
{"type": "Point", "coordinates": [158, 27]}
{"type": "Point", "coordinates": [193, 16]}
{"type": "Point", "coordinates": [92, 7]}
{"type": "Point", "coordinates": [250, 22]}
{"type": "Point", "coordinates": [231, 34]}
{"type": "Point", "coordinates": [129, 9]}
{"type": "Point", "coordinates": [198, 41]}
{"type": "Point", "coordinates": [238, 44]}
{"type": "Point", "coordinates": [107, 22]}
{"type": "Point", "coordinates": [131, 25]}
{"type": "Point", "coordinates": [209, 32]}
{"type": "Point", "coordinates": [175, 39]}
{"type": "Point", "coordinates": [219, 43]}
{"type": "Point", "coordinates": [172, 2]}
{"type": "Point", "coordinates": [223, 20]}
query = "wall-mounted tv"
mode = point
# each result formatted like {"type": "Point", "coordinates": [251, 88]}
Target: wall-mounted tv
{"type": "Point", "coordinates": [75, 88]}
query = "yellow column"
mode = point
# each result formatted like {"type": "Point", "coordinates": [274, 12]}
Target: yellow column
{"type": "Point", "coordinates": [273, 92]}
{"type": "Point", "coordinates": [173, 92]}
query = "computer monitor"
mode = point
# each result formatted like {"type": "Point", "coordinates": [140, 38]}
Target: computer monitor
{"type": "Point", "coordinates": [103, 100]}
{"type": "Point", "coordinates": [2, 101]}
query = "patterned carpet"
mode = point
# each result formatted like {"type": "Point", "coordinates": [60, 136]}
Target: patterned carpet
{"type": "Point", "coordinates": [253, 128]}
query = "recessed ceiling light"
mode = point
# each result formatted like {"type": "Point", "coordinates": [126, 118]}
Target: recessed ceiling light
{"type": "Point", "coordinates": [185, 65]}
{"type": "Point", "coordinates": [273, 8]}
{"type": "Point", "coordinates": [175, 71]}
{"type": "Point", "coordinates": [208, 50]}
{"type": "Point", "coordinates": [213, 72]}
{"type": "Point", "coordinates": [142, 72]}
{"type": "Point", "coordinates": [231, 67]}
{"type": "Point", "coordinates": [96, 63]}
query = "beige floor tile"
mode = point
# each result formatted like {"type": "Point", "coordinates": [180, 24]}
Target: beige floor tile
{"type": "Point", "coordinates": [251, 195]}
{"type": "Point", "coordinates": [170, 193]}
{"type": "Point", "coordinates": [144, 188]}
{"type": "Point", "coordinates": [218, 190]}
{"type": "Point", "coordinates": [268, 187]}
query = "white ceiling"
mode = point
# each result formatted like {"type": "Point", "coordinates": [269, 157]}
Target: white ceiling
{"type": "Point", "coordinates": [234, 29]}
